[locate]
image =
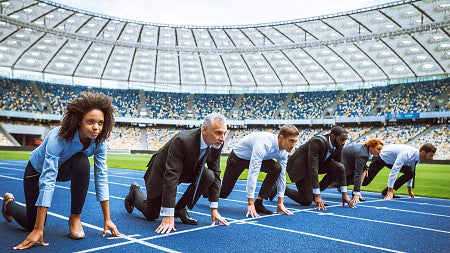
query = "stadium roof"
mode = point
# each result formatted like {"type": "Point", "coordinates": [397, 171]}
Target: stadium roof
{"type": "Point", "coordinates": [398, 41]}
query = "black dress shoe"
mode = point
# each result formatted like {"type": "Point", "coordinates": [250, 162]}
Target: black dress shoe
{"type": "Point", "coordinates": [273, 193]}
{"type": "Point", "coordinates": [384, 192]}
{"type": "Point", "coordinates": [184, 216]}
{"type": "Point", "coordinates": [360, 199]}
{"type": "Point", "coordinates": [260, 208]}
{"type": "Point", "coordinates": [129, 199]}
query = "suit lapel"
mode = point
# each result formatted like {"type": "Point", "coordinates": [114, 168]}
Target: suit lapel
{"type": "Point", "coordinates": [196, 152]}
{"type": "Point", "coordinates": [324, 138]}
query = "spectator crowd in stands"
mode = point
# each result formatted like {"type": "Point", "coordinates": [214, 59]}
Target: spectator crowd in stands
{"type": "Point", "coordinates": [39, 97]}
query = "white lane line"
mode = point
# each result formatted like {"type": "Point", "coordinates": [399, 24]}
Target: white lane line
{"type": "Point", "coordinates": [325, 237]}
{"type": "Point", "coordinates": [406, 211]}
{"type": "Point", "coordinates": [130, 238]}
{"type": "Point", "coordinates": [423, 203]}
{"type": "Point", "coordinates": [388, 222]}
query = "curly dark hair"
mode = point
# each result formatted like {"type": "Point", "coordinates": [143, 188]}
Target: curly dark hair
{"type": "Point", "coordinates": [80, 107]}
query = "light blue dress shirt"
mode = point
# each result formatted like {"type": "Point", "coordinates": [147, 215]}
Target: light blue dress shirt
{"type": "Point", "coordinates": [54, 151]}
{"type": "Point", "coordinates": [257, 147]}
{"type": "Point", "coordinates": [399, 155]}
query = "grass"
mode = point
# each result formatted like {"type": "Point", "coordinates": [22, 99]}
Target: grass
{"type": "Point", "coordinates": [432, 180]}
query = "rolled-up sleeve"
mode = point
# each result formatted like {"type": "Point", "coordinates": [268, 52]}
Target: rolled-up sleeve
{"type": "Point", "coordinates": [401, 160]}
{"type": "Point", "coordinates": [100, 173]}
{"type": "Point", "coordinates": [47, 180]}
{"type": "Point", "coordinates": [281, 181]}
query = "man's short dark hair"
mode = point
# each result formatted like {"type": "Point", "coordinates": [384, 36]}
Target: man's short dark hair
{"type": "Point", "coordinates": [428, 147]}
{"type": "Point", "coordinates": [288, 131]}
{"type": "Point", "coordinates": [338, 130]}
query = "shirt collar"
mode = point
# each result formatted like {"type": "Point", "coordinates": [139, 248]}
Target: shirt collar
{"type": "Point", "coordinates": [76, 136]}
{"type": "Point", "coordinates": [275, 143]}
{"type": "Point", "coordinates": [331, 144]}
{"type": "Point", "coordinates": [203, 144]}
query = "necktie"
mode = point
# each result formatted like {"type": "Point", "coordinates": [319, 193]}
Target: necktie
{"type": "Point", "coordinates": [202, 160]}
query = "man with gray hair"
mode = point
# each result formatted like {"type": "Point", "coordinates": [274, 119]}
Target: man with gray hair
{"type": "Point", "coordinates": [182, 160]}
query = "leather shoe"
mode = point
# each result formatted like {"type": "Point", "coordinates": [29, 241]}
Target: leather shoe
{"type": "Point", "coordinates": [273, 193]}
{"type": "Point", "coordinates": [129, 199]}
{"type": "Point", "coordinates": [184, 216]}
{"type": "Point", "coordinates": [260, 208]}
{"type": "Point", "coordinates": [360, 199]}
{"type": "Point", "coordinates": [6, 199]}
{"type": "Point", "coordinates": [384, 192]}
{"type": "Point", "coordinates": [76, 235]}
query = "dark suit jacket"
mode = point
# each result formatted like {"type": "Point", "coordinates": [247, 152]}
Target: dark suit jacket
{"type": "Point", "coordinates": [177, 162]}
{"type": "Point", "coordinates": [354, 158]}
{"type": "Point", "coordinates": [309, 158]}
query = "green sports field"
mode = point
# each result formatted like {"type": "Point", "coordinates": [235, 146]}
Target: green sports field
{"type": "Point", "coordinates": [432, 180]}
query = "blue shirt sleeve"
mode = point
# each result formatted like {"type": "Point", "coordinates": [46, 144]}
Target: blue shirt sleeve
{"type": "Point", "coordinates": [47, 180]}
{"type": "Point", "coordinates": [100, 173]}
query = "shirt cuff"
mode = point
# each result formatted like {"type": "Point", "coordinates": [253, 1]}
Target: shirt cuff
{"type": "Point", "coordinates": [166, 211]}
{"type": "Point", "coordinates": [357, 193]}
{"type": "Point", "coordinates": [343, 188]}
{"type": "Point", "coordinates": [409, 183]}
{"type": "Point", "coordinates": [316, 191]}
{"type": "Point", "coordinates": [214, 205]}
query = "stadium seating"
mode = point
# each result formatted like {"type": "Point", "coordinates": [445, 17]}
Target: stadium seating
{"type": "Point", "coordinates": [26, 96]}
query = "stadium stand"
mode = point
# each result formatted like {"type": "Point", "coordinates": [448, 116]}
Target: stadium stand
{"type": "Point", "coordinates": [46, 98]}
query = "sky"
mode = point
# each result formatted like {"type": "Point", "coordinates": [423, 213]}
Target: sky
{"type": "Point", "coordinates": [217, 12]}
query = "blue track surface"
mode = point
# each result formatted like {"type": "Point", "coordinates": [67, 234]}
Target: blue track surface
{"type": "Point", "coordinates": [403, 225]}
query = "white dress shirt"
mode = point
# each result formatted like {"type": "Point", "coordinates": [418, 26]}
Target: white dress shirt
{"type": "Point", "coordinates": [399, 155]}
{"type": "Point", "coordinates": [257, 147]}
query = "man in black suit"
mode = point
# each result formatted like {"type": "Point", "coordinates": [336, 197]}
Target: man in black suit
{"type": "Point", "coordinates": [182, 160]}
{"type": "Point", "coordinates": [320, 155]}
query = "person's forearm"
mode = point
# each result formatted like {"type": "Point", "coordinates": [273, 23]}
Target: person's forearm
{"type": "Point", "coordinates": [280, 201]}
{"type": "Point", "coordinates": [105, 209]}
{"type": "Point", "coordinates": [40, 218]}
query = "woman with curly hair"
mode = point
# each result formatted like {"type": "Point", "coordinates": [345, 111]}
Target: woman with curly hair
{"type": "Point", "coordinates": [63, 156]}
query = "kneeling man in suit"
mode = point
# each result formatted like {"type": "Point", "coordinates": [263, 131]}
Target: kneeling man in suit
{"type": "Point", "coordinates": [182, 159]}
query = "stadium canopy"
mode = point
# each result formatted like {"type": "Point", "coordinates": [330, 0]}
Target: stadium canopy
{"type": "Point", "coordinates": [396, 42]}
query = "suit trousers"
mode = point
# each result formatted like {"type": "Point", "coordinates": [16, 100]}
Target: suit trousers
{"type": "Point", "coordinates": [304, 196]}
{"type": "Point", "coordinates": [235, 167]}
{"type": "Point", "coordinates": [76, 169]}
{"type": "Point", "coordinates": [151, 208]}
{"type": "Point", "coordinates": [377, 164]}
